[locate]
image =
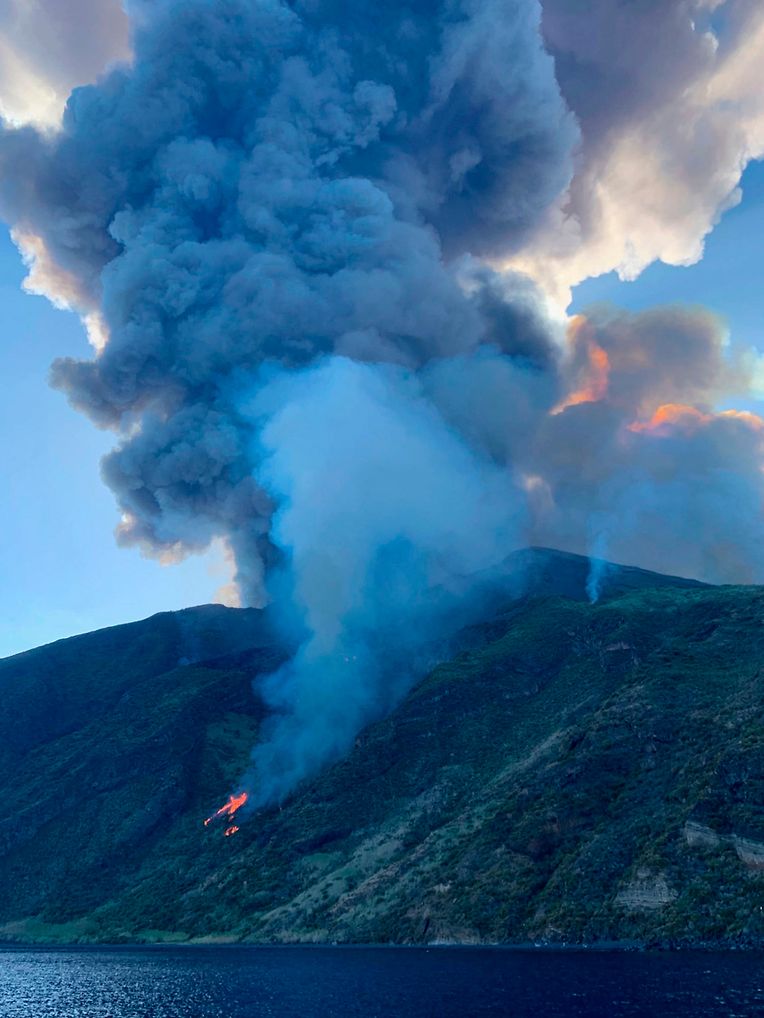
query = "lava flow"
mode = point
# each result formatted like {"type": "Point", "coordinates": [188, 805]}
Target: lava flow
{"type": "Point", "coordinates": [230, 809]}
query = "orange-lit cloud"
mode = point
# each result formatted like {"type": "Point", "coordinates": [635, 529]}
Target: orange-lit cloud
{"type": "Point", "coordinates": [596, 373]}
{"type": "Point", "coordinates": [672, 417]}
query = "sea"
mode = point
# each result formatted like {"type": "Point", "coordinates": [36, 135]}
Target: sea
{"type": "Point", "coordinates": [319, 982]}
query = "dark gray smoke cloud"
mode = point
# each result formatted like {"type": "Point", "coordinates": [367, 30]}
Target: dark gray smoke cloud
{"type": "Point", "coordinates": [265, 183]}
{"type": "Point", "coordinates": [271, 185]}
{"type": "Point", "coordinates": [276, 223]}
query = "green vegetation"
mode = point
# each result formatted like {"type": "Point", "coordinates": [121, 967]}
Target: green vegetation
{"type": "Point", "coordinates": [579, 773]}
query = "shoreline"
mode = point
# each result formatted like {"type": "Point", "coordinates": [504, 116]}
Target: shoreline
{"type": "Point", "coordinates": [599, 947]}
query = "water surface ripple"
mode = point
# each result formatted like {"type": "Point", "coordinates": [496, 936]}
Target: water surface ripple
{"type": "Point", "coordinates": [295, 982]}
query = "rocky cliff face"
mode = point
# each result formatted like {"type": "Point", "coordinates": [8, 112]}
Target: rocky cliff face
{"type": "Point", "coordinates": [578, 773]}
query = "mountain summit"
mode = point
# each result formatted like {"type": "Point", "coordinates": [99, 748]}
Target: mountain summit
{"type": "Point", "coordinates": [576, 773]}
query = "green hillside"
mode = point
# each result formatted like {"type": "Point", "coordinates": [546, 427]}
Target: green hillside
{"type": "Point", "coordinates": [579, 773]}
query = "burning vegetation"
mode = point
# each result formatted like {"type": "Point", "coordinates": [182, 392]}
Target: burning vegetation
{"type": "Point", "coordinates": [229, 810]}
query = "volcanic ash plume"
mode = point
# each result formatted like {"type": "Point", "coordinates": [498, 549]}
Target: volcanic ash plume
{"type": "Point", "coordinates": [281, 224]}
{"type": "Point", "coordinates": [266, 187]}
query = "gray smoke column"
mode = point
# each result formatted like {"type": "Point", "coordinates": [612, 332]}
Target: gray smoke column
{"type": "Point", "coordinates": [271, 186]}
{"type": "Point", "coordinates": [281, 223]}
{"type": "Point", "coordinates": [265, 183]}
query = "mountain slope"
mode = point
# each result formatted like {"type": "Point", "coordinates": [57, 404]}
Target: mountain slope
{"type": "Point", "coordinates": [580, 773]}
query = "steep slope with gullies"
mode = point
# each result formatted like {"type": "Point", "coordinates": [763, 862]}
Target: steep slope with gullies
{"type": "Point", "coordinates": [578, 773]}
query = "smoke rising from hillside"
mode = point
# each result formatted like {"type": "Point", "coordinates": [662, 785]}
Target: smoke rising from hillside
{"type": "Point", "coordinates": [387, 515]}
{"type": "Point", "coordinates": [281, 225]}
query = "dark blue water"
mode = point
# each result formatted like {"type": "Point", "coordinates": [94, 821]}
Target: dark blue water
{"type": "Point", "coordinates": [367, 982]}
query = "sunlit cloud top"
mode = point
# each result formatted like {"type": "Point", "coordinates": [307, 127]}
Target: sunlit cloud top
{"type": "Point", "coordinates": [47, 47]}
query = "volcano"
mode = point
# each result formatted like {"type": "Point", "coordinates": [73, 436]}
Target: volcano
{"type": "Point", "coordinates": [573, 772]}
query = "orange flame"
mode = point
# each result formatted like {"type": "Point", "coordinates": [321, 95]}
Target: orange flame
{"type": "Point", "coordinates": [597, 378]}
{"type": "Point", "coordinates": [231, 830]}
{"type": "Point", "coordinates": [234, 804]}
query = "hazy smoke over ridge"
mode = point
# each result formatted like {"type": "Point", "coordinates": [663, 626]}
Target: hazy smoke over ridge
{"type": "Point", "coordinates": [273, 222]}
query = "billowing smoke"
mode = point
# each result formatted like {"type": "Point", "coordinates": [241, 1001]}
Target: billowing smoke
{"type": "Point", "coordinates": [281, 224]}
{"type": "Point", "coordinates": [668, 96]}
{"type": "Point", "coordinates": [264, 184]}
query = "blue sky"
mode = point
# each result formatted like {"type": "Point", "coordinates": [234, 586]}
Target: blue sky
{"type": "Point", "coordinates": [62, 570]}
{"type": "Point", "coordinates": [727, 280]}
